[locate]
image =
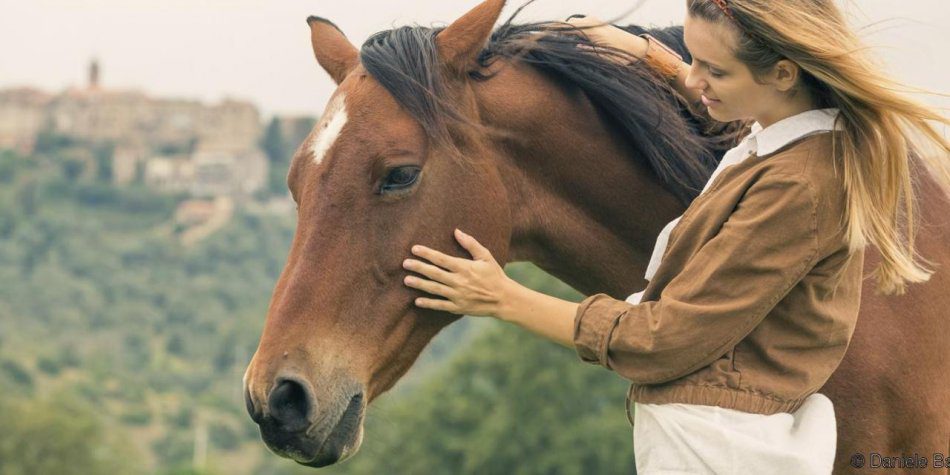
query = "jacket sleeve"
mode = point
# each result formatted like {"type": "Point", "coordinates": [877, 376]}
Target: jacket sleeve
{"type": "Point", "coordinates": [765, 247]}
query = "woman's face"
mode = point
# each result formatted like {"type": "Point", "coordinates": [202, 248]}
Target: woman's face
{"type": "Point", "coordinates": [729, 89]}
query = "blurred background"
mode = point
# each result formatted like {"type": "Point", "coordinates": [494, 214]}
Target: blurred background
{"type": "Point", "coordinates": [144, 219]}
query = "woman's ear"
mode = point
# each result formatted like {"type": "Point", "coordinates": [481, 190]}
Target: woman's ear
{"type": "Point", "coordinates": [785, 75]}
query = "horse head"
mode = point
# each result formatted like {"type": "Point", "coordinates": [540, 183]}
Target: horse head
{"type": "Point", "coordinates": [369, 181]}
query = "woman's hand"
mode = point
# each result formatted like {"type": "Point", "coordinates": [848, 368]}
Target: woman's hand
{"type": "Point", "coordinates": [472, 287]}
{"type": "Point", "coordinates": [605, 34]}
{"type": "Point", "coordinates": [480, 287]}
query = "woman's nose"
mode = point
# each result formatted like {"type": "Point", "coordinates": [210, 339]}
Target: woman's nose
{"type": "Point", "coordinates": [693, 80]}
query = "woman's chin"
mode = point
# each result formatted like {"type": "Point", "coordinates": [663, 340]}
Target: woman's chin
{"type": "Point", "coordinates": [718, 115]}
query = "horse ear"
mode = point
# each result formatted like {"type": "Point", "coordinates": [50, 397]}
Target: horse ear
{"type": "Point", "coordinates": [460, 42]}
{"type": "Point", "coordinates": [334, 52]}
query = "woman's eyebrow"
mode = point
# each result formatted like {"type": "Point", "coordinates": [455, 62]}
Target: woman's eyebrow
{"type": "Point", "coordinates": [695, 59]}
{"type": "Point", "coordinates": [707, 63]}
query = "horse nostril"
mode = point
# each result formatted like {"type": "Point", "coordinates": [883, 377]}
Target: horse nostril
{"type": "Point", "coordinates": [251, 408]}
{"type": "Point", "coordinates": [290, 405]}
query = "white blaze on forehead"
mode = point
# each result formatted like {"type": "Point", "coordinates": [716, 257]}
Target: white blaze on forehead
{"type": "Point", "coordinates": [329, 129]}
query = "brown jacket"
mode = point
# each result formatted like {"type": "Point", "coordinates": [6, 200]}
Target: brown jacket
{"type": "Point", "coordinates": [755, 300]}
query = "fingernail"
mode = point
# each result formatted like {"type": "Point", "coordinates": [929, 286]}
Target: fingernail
{"type": "Point", "coordinates": [416, 248]}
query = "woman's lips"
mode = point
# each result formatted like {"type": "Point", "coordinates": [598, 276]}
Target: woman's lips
{"type": "Point", "coordinates": [709, 102]}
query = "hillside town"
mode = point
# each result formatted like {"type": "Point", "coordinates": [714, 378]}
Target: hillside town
{"type": "Point", "coordinates": [214, 154]}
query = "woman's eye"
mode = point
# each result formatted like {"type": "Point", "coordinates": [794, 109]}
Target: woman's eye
{"type": "Point", "coordinates": [716, 74]}
{"type": "Point", "coordinates": [400, 178]}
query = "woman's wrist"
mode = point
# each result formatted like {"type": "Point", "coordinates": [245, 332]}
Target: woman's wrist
{"type": "Point", "coordinates": [661, 58]}
{"type": "Point", "coordinates": [547, 316]}
{"type": "Point", "coordinates": [638, 46]}
{"type": "Point", "coordinates": [512, 301]}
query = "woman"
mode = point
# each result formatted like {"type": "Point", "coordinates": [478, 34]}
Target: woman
{"type": "Point", "coordinates": [753, 293]}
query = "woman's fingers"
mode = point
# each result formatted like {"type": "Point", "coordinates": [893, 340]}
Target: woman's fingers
{"type": "Point", "coordinates": [429, 286]}
{"type": "Point", "coordinates": [580, 19]}
{"type": "Point", "coordinates": [586, 23]}
{"type": "Point", "coordinates": [444, 261]}
{"type": "Point", "coordinates": [437, 304]}
{"type": "Point", "coordinates": [473, 246]}
{"type": "Point", "coordinates": [428, 270]}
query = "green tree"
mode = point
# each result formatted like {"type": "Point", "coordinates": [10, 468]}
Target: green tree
{"type": "Point", "coordinates": [59, 435]}
{"type": "Point", "coordinates": [275, 146]}
{"type": "Point", "coordinates": [103, 154]}
{"type": "Point", "coordinates": [101, 296]}
{"type": "Point", "coordinates": [48, 141]}
{"type": "Point", "coordinates": [8, 166]}
{"type": "Point", "coordinates": [509, 403]}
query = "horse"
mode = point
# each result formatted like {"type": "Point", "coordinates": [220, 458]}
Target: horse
{"type": "Point", "coordinates": [545, 153]}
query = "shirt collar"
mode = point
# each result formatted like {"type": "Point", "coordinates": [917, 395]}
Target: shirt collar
{"type": "Point", "coordinates": [767, 141]}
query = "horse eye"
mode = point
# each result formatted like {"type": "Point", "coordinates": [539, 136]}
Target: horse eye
{"type": "Point", "coordinates": [400, 178]}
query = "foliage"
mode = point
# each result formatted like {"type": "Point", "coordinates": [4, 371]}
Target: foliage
{"type": "Point", "coordinates": [510, 403]}
{"type": "Point", "coordinates": [279, 145]}
{"type": "Point", "coordinates": [276, 149]}
{"type": "Point", "coordinates": [59, 435]}
{"type": "Point", "coordinates": [99, 300]}
{"type": "Point", "coordinates": [102, 301]}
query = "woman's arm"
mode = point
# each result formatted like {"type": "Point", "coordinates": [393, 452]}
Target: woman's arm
{"type": "Point", "coordinates": [768, 244]}
{"type": "Point", "coordinates": [656, 55]}
{"type": "Point", "coordinates": [548, 316]}
{"type": "Point", "coordinates": [481, 287]}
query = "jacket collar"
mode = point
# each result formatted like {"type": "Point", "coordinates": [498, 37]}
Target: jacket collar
{"type": "Point", "coordinates": [762, 142]}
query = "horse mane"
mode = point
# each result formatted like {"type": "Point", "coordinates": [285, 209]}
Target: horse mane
{"type": "Point", "coordinates": [681, 148]}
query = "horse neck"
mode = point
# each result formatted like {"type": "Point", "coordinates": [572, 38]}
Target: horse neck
{"type": "Point", "coordinates": [584, 208]}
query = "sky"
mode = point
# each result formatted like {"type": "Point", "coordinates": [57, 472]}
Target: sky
{"type": "Point", "coordinates": [259, 50]}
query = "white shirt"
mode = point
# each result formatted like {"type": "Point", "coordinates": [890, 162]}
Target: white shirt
{"type": "Point", "coordinates": [694, 439]}
{"type": "Point", "coordinates": [690, 438]}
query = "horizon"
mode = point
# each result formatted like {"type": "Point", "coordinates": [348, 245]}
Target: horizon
{"type": "Point", "coordinates": [209, 67]}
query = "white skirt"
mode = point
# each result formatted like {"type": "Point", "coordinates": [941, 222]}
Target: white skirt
{"type": "Point", "coordinates": [697, 439]}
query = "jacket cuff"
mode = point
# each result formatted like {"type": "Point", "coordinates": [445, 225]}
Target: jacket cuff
{"type": "Point", "coordinates": [596, 318]}
{"type": "Point", "coordinates": [661, 58]}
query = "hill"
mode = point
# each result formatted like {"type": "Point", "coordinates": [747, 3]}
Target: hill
{"type": "Point", "coordinates": [133, 345]}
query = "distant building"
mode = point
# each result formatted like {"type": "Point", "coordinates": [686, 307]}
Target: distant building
{"type": "Point", "coordinates": [197, 219]}
{"type": "Point", "coordinates": [94, 74]}
{"type": "Point", "coordinates": [170, 174]}
{"type": "Point", "coordinates": [128, 164]}
{"type": "Point", "coordinates": [128, 117]}
{"type": "Point", "coordinates": [194, 212]}
{"type": "Point", "coordinates": [99, 115]}
{"type": "Point", "coordinates": [23, 114]}
{"type": "Point", "coordinates": [172, 144]}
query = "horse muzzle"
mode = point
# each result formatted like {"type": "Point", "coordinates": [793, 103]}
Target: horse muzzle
{"type": "Point", "coordinates": [312, 431]}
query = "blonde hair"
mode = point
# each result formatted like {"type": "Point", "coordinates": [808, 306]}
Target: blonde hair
{"type": "Point", "coordinates": [884, 131]}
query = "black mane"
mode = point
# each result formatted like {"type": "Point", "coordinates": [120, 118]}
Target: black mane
{"type": "Point", "coordinates": [678, 145]}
